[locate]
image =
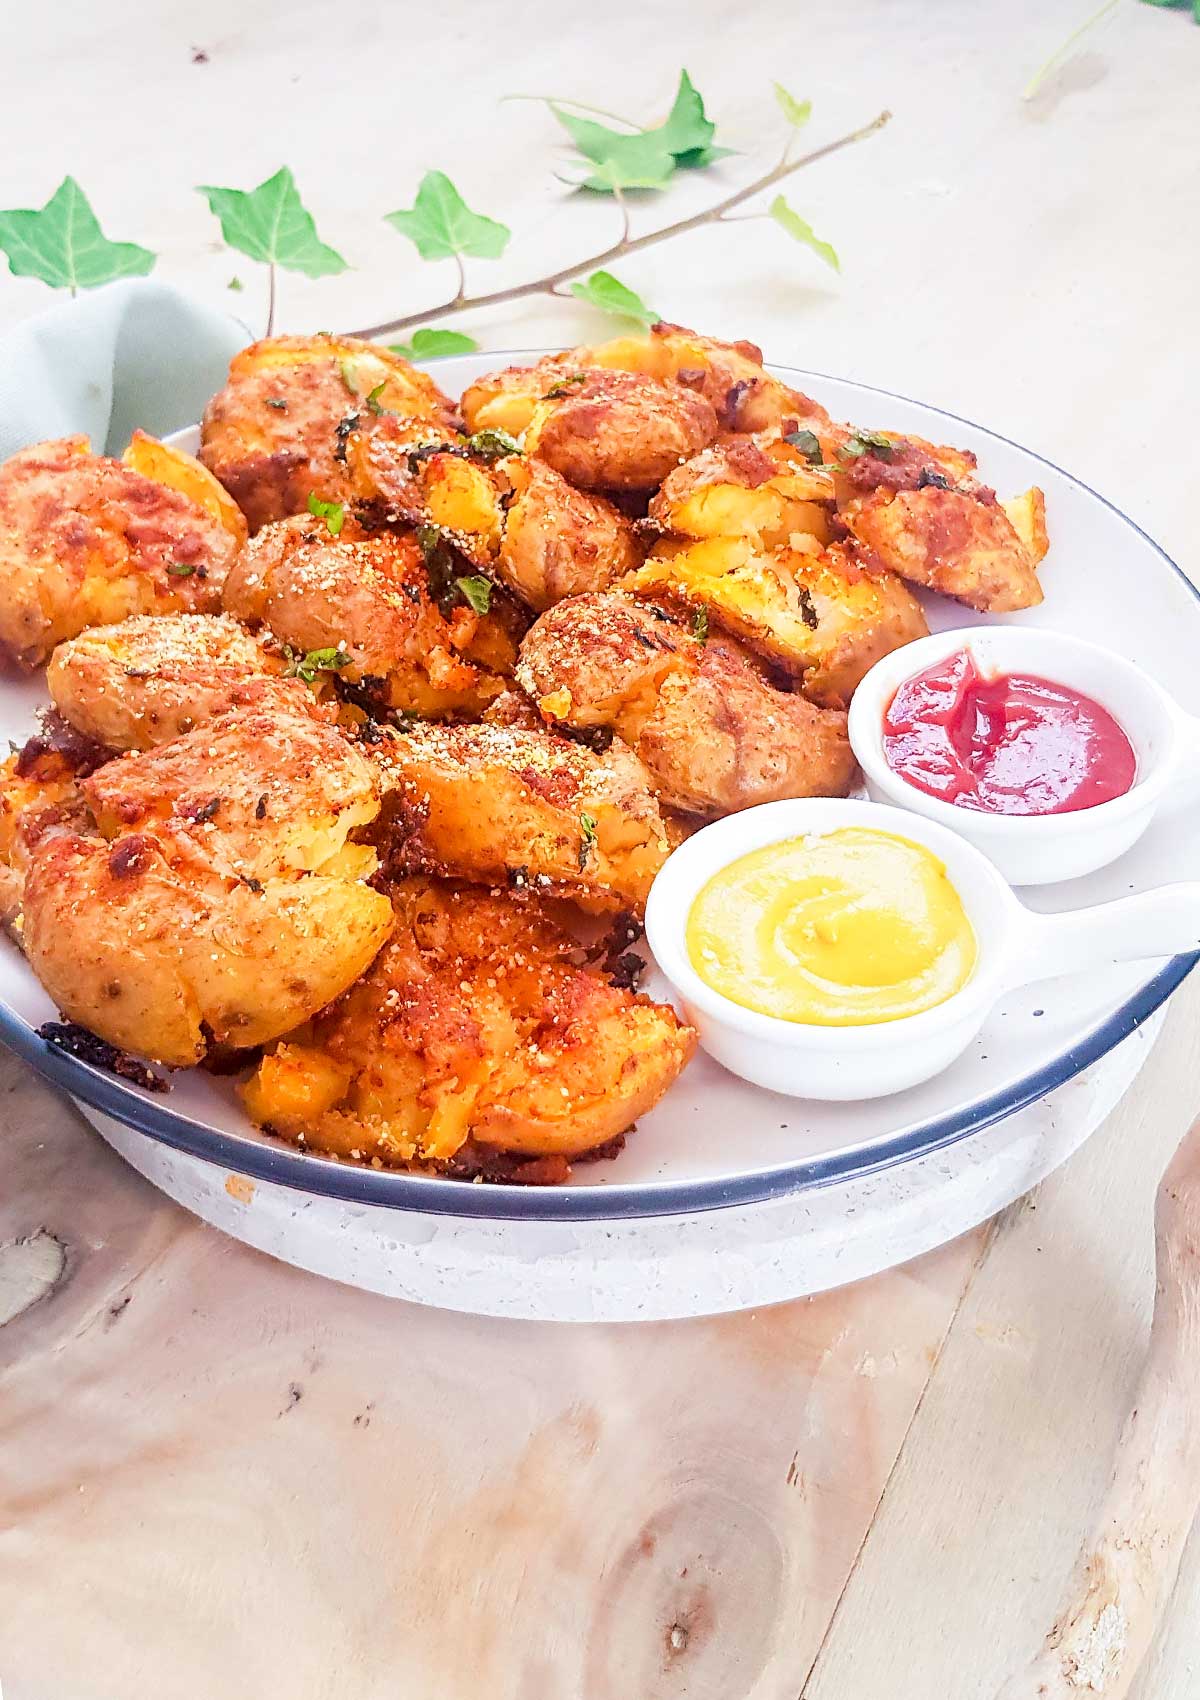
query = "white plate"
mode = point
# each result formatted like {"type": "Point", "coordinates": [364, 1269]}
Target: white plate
{"type": "Point", "coordinates": [715, 1141]}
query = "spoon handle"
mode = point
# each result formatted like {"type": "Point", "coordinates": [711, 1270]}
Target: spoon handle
{"type": "Point", "coordinates": [1128, 1564]}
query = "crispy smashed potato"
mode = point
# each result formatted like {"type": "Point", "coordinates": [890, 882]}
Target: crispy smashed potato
{"type": "Point", "coordinates": [729, 374]}
{"type": "Point", "coordinates": [960, 544]}
{"type": "Point", "coordinates": [504, 802]}
{"type": "Point", "coordinates": [713, 733]}
{"type": "Point", "coordinates": [86, 540]}
{"type": "Point", "coordinates": [559, 541]}
{"type": "Point", "coordinates": [362, 603]}
{"type": "Point", "coordinates": [505, 400]}
{"type": "Point", "coordinates": [146, 680]}
{"type": "Point", "coordinates": [39, 793]}
{"type": "Point", "coordinates": [183, 472]}
{"type": "Point", "coordinates": [619, 430]}
{"type": "Point", "coordinates": [763, 489]}
{"type": "Point", "coordinates": [217, 899]}
{"type": "Point", "coordinates": [476, 1034]}
{"type": "Point", "coordinates": [271, 435]}
{"type": "Point", "coordinates": [820, 617]}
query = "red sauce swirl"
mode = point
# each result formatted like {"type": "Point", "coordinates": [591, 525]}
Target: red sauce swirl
{"type": "Point", "coordinates": [1011, 745]}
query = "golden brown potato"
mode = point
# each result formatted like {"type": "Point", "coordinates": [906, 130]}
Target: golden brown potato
{"type": "Point", "coordinates": [271, 435]}
{"type": "Point", "coordinates": [713, 733]}
{"type": "Point", "coordinates": [476, 1033]}
{"type": "Point", "coordinates": [500, 802]}
{"type": "Point", "coordinates": [619, 430]}
{"type": "Point", "coordinates": [218, 896]}
{"type": "Point", "coordinates": [362, 604]}
{"type": "Point", "coordinates": [178, 471]}
{"type": "Point", "coordinates": [86, 541]}
{"type": "Point", "coordinates": [160, 958]}
{"type": "Point", "coordinates": [866, 460]}
{"type": "Point", "coordinates": [39, 793]}
{"type": "Point", "coordinates": [505, 400]}
{"type": "Point", "coordinates": [147, 680]}
{"type": "Point", "coordinates": [729, 374]}
{"type": "Point", "coordinates": [962, 545]}
{"type": "Point", "coordinates": [820, 617]}
{"type": "Point", "coordinates": [758, 487]}
{"type": "Point", "coordinates": [558, 541]}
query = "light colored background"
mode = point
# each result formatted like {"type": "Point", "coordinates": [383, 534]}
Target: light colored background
{"type": "Point", "coordinates": [1032, 266]}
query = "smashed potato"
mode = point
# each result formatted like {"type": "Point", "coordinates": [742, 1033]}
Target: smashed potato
{"type": "Point", "coordinates": [746, 487]}
{"type": "Point", "coordinates": [505, 400]}
{"type": "Point", "coordinates": [962, 545]}
{"type": "Point", "coordinates": [506, 802]}
{"type": "Point", "coordinates": [476, 1034]}
{"type": "Point", "coordinates": [361, 603]}
{"type": "Point", "coordinates": [146, 680]}
{"type": "Point", "coordinates": [713, 733]}
{"type": "Point", "coordinates": [271, 435]}
{"type": "Point", "coordinates": [619, 430]}
{"type": "Point", "coordinates": [86, 540]}
{"type": "Point", "coordinates": [218, 897]}
{"type": "Point", "coordinates": [820, 617]}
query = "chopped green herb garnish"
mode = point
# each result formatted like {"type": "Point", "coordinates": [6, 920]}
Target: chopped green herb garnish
{"type": "Point", "coordinates": [235, 283]}
{"type": "Point", "coordinates": [307, 666]}
{"type": "Point", "coordinates": [492, 444]}
{"type": "Point", "coordinates": [700, 625]}
{"type": "Point", "coordinates": [477, 591]}
{"type": "Point", "coordinates": [180, 569]}
{"type": "Point", "coordinates": [373, 402]}
{"type": "Point", "coordinates": [808, 610]}
{"type": "Point", "coordinates": [809, 445]}
{"type": "Point", "coordinates": [867, 442]}
{"type": "Point", "coordinates": [564, 386]}
{"type": "Point", "coordinates": [277, 402]}
{"type": "Point", "coordinates": [587, 837]}
{"type": "Point", "coordinates": [333, 513]}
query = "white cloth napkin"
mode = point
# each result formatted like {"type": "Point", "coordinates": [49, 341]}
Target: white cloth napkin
{"type": "Point", "coordinates": [133, 353]}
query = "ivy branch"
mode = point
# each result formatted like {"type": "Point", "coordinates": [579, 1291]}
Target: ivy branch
{"type": "Point", "coordinates": [627, 243]}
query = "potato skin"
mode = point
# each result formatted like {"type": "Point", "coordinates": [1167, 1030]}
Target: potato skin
{"type": "Point", "coordinates": [369, 594]}
{"type": "Point", "coordinates": [714, 734]}
{"type": "Point", "coordinates": [959, 544]}
{"type": "Point", "coordinates": [86, 541]}
{"type": "Point", "coordinates": [759, 487]}
{"type": "Point", "coordinates": [270, 435]}
{"type": "Point", "coordinates": [559, 541]}
{"type": "Point", "coordinates": [505, 400]}
{"type": "Point", "coordinates": [147, 680]}
{"type": "Point", "coordinates": [504, 802]}
{"type": "Point", "coordinates": [620, 430]}
{"type": "Point", "coordinates": [158, 960]}
{"type": "Point", "coordinates": [820, 617]}
{"type": "Point", "coordinates": [475, 1032]}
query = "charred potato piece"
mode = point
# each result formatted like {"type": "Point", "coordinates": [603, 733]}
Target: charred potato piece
{"type": "Point", "coordinates": [728, 374]}
{"type": "Point", "coordinates": [39, 793]}
{"type": "Point", "coordinates": [363, 604]}
{"type": "Point", "coordinates": [218, 895]}
{"type": "Point", "coordinates": [713, 733]}
{"type": "Point", "coordinates": [559, 541]}
{"type": "Point", "coordinates": [161, 958]}
{"type": "Point", "coordinates": [747, 487]}
{"type": "Point", "coordinates": [271, 435]}
{"type": "Point", "coordinates": [820, 617]}
{"type": "Point", "coordinates": [86, 540]}
{"type": "Point", "coordinates": [476, 1032]}
{"type": "Point", "coordinates": [619, 430]}
{"type": "Point", "coordinates": [498, 802]}
{"type": "Point", "coordinates": [962, 545]}
{"type": "Point", "coordinates": [146, 680]}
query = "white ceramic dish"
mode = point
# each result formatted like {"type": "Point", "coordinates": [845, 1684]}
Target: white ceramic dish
{"type": "Point", "coordinates": [714, 1141]}
{"type": "Point", "coordinates": [1016, 947]}
{"type": "Point", "coordinates": [1040, 849]}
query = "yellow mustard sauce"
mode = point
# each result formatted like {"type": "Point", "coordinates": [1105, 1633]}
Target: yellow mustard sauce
{"type": "Point", "coordinates": [838, 929]}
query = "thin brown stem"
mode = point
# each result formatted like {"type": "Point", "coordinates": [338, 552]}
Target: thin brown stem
{"type": "Point", "coordinates": [462, 279]}
{"type": "Point", "coordinates": [270, 299]}
{"type": "Point", "coordinates": [627, 244]}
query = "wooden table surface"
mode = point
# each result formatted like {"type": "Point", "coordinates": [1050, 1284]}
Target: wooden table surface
{"type": "Point", "coordinates": [221, 1477]}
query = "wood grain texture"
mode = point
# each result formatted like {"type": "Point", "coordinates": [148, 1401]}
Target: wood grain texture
{"type": "Point", "coordinates": [246, 1480]}
{"type": "Point", "coordinates": [1003, 1474]}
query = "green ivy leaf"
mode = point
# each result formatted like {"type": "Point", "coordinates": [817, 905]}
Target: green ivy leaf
{"type": "Point", "coordinates": [799, 228]}
{"type": "Point", "coordinates": [608, 293]}
{"type": "Point", "coordinates": [270, 224]}
{"type": "Point", "coordinates": [441, 224]}
{"type": "Point", "coordinates": [797, 112]}
{"type": "Point", "coordinates": [62, 244]}
{"type": "Point", "coordinates": [429, 343]}
{"type": "Point", "coordinates": [476, 590]}
{"type": "Point", "coordinates": [644, 159]}
{"type": "Point", "coordinates": [688, 131]}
